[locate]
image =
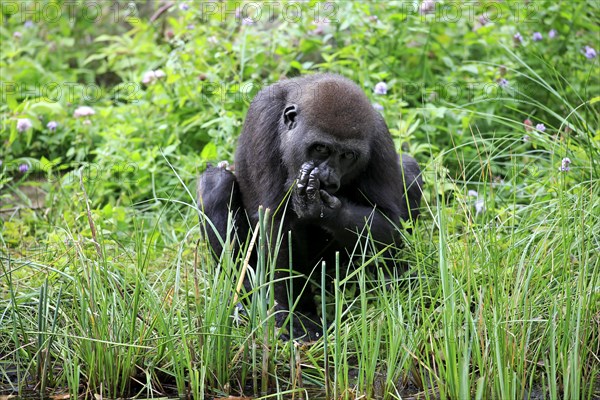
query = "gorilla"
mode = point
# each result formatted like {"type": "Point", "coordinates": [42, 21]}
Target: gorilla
{"type": "Point", "coordinates": [315, 147]}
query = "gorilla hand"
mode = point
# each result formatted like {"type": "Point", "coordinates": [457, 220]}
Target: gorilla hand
{"type": "Point", "coordinates": [310, 201]}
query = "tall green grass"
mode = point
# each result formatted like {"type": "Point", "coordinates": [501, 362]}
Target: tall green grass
{"type": "Point", "coordinates": [494, 305]}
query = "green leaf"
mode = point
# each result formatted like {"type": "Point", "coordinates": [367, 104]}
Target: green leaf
{"type": "Point", "coordinates": [94, 57]}
{"type": "Point", "coordinates": [13, 135]}
{"type": "Point", "coordinates": [47, 108]}
{"type": "Point", "coordinates": [209, 152]}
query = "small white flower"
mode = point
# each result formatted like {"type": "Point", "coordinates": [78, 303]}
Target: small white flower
{"type": "Point", "coordinates": [479, 202]}
{"type": "Point", "coordinates": [223, 164]}
{"type": "Point", "coordinates": [84, 111]}
{"type": "Point", "coordinates": [540, 127]}
{"type": "Point", "coordinates": [479, 206]}
{"type": "Point", "coordinates": [152, 76]}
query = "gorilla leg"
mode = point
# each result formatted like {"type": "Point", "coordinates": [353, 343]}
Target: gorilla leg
{"type": "Point", "coordinates": [218, 194]}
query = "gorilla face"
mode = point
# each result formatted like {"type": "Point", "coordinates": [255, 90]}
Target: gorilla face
{"type": "Point", "coordinates": [337, 159]}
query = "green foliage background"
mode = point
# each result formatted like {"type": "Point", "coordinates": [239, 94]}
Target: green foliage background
{"type": "Point", "coordinates": [460, 87]}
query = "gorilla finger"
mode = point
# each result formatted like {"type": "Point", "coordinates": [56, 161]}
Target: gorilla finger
{"type": "Point", "coordinates": [306, 168]}
{"type": "Point", "coordinates": [305, 171]}
{"type": "Point", "coordinates": [313, 184]}
{"type": "Point", "coordinates": [329, 200]}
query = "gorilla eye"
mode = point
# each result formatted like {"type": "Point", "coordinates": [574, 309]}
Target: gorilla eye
{"type": "Point", "coordinates": [349, 155]}
{"type": "Point", "coordinates": [322, 149]}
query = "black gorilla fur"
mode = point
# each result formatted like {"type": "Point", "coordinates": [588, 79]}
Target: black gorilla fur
{"type": "Point", "coordinates": [320, 137]}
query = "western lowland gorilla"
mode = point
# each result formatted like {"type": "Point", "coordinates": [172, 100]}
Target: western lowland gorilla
{"type": "Point", "coordinates": [315, 148]}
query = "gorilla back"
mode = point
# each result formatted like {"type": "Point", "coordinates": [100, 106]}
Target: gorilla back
{"type": "Point", "coordinates": [319, 140]}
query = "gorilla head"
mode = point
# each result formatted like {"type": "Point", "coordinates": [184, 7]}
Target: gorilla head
{"type": "Point", "coordinates": [322, 127]}
{"type": "Point", "coordinates": [318, 138]}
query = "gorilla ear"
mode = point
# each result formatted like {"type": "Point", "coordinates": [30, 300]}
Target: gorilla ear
{"type": "Point", "coordinates": [289, 116]}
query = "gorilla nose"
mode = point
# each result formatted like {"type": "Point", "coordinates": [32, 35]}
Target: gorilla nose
{"type": "Point", "coordinates": [329, 178]}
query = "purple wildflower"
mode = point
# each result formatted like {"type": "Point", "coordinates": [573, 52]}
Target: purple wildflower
{"type": "Point", "coordinates": [52, 125]}
{"type": "Point", "coordinates": [23, 168]}
{"type": "Point", "coordinates": [184, 6]}
{"type": "Point", "coordinates": [17, 35]}
{"type": "Point", "coordinates": [381, 88]}
{"type": "Point", "coordinates": [378, 106]}
{"type": "Point", "coordinates": [190, 27]}
{"type": "Point", "coordinates": [552, 34]}
{"type": "Point", "coordinates": [23, 124]}
{"type": "Point", "coordinates": [537, 36]}
{"type": "Point", "coordinates": [540, 127]}
{"type": "Point", "coordinates": [517, 38]}
{"type": "Point", "coordinates": [590, 52]}
{"type": "Point", "coordinates": [28, 24]}
{"type": "Point", "coordinates": [564, 165]}
{"type": "Point", "coordinates": [322, 26]}
{"type": "Point", "coordinates": [502, 82]}
{"type": "Point", "coordinates": [426, 7]}
{"type": "Point", "coordinates": [247, 21]}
